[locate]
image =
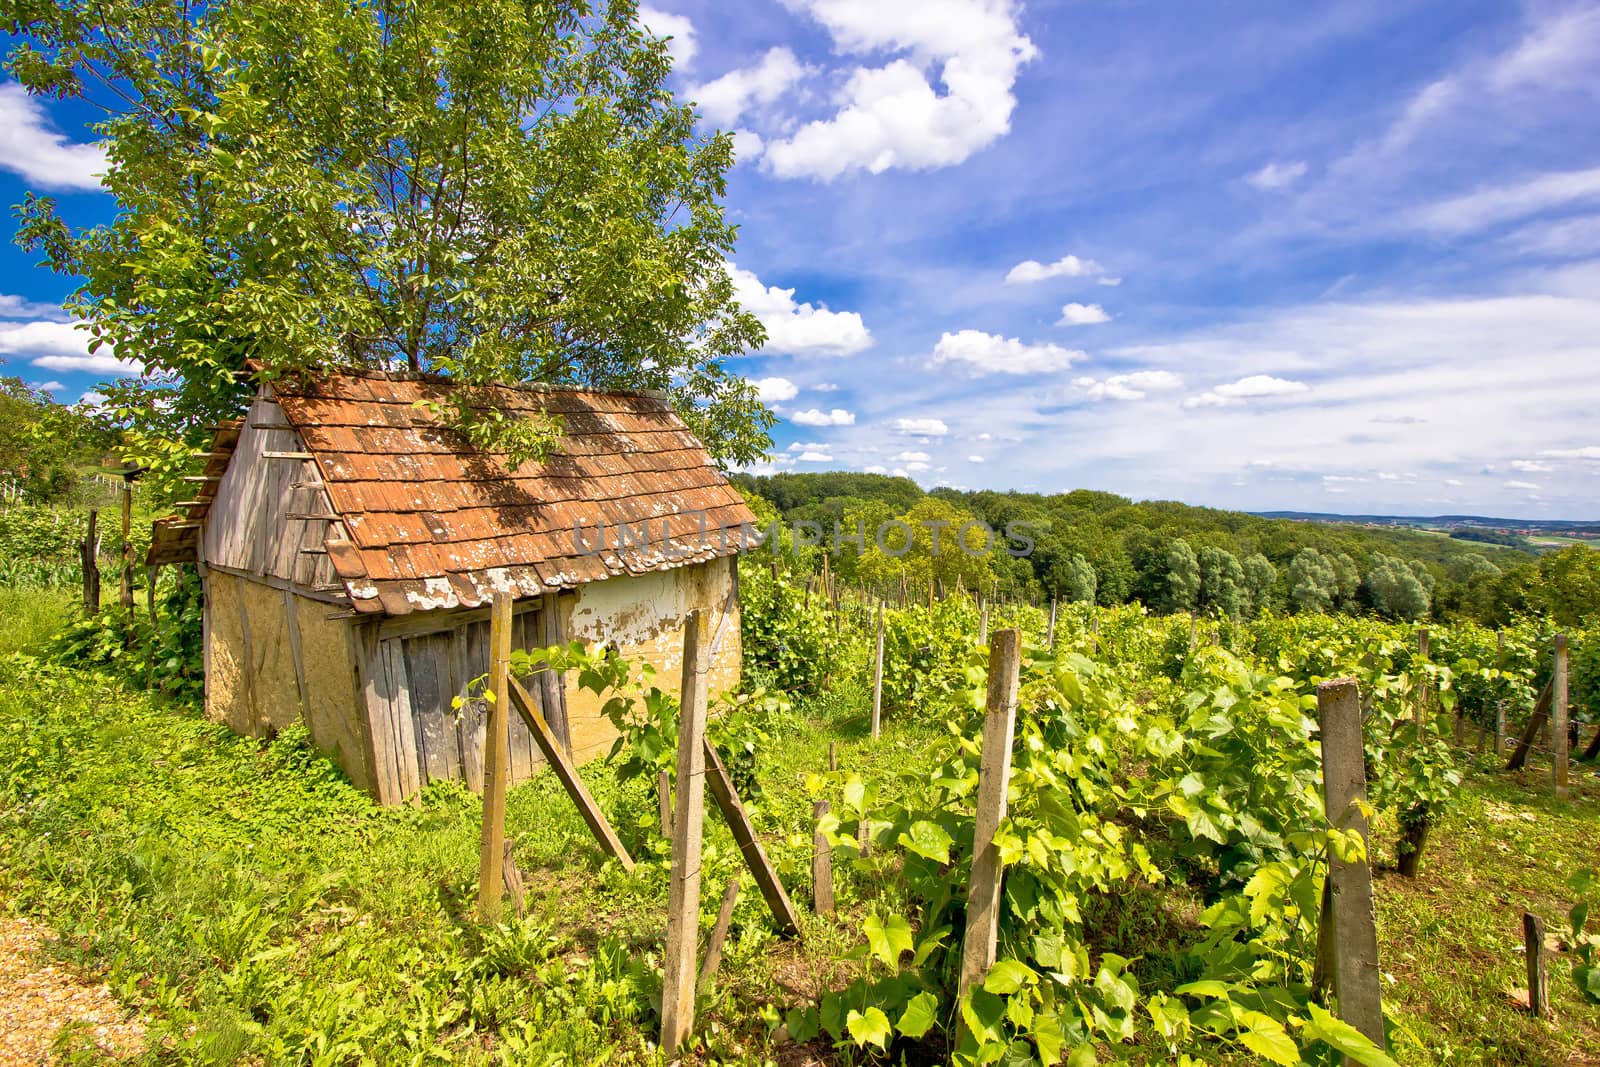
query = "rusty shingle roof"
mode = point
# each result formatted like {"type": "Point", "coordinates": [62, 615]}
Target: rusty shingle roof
{"type": "Point", "coordinates": [435, 524]}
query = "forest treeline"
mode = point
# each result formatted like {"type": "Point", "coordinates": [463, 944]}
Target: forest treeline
{"type": "Point", "coordinates": [1100, 547]}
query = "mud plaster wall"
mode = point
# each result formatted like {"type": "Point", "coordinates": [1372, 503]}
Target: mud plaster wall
{"type": "Point", "coordinates": [643, 617]}
{"type": "Point", "coordinates": [331, 713]}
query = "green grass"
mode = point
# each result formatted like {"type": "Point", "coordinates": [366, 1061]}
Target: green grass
{"type": "Point", "coordinates": [258, 909]}
{"type": "Point", "coordinates": [31, 616]}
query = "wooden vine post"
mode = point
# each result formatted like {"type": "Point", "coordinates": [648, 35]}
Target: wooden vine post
{"type": "Point", "coordinates": [127, 545]}
{"type": "Point", "coordinates": [877, 678]}
{"type": "Point", "coordinates": [1421, 712]}
{"type": "Point", "coordinates": [688, 826]}
{"type": "Point", "coordinates": [994, 774]}
{"type": "Point", "coordinates": [821, 863]}
{"type": "Point", "coordinates": [1558, 719]}
{"type": "Point", "coordinates": [496, 762]}
{"type": "Point", "coordinates": [1538, 983]}
{"type": "Point", "coordinates": [1050, 631]}
{"type": "Point", "coordinates": [89, 556]}
{"type": "Point", "coordinates": [1348, 937]}
{"type": "Point", "coordinates": [983, 623]}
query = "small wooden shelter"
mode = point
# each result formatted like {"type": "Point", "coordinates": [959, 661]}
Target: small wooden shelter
{"type": "Point", "coordinates": [350, 543]}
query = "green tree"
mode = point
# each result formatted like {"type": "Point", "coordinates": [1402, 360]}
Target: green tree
{"type": "Point", "coordinates": [42, 443]}
{"type": "Point", "coordinates": [1079, 580]}
{"type": "Point", "coordinates": [1261, 582]}
{"type": "Point", "coordinates": [499, 192]}
{"type": "Point", "coordinates": [1182, 581]}
{"type": "Point", "coordinates": [1222, 582]}
{"type": "Point", "coordinates": [1396, 589]}
{"type": "Point", "coordinates": [1313, 583]}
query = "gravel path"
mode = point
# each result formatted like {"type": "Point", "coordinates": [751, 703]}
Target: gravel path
{"type": "Point", "coordinates": [37, 999]}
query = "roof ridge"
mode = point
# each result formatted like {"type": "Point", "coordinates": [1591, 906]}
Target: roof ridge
{"type": "Point", "coordinates": [374, 374]}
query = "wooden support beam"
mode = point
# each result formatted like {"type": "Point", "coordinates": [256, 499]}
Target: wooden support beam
{"type": "Point", "coordinates": [720, 785]}
{"type": "Point", "coordinates": [1538, 983]}
{"type": "Point", "coordinates": [269, 454]}
{"type": "Point", "coordinates": [201, 478]}
{"type": "Point", "coordinates": [719, 934]}
{"type": "Point", "coordinates": [877, 678]}
{"type": "Point", "coordinates": [496, 763]}
{"type": "Point", "coordinates": [688, 827]}
{"type": "Point", "coordinates": [1541, 711]}
{"type": "Point", "coordinates": [994, 775]}
{"type": "Point", "coordinates": [555, 754]}
{"type": "Point", "coordinates": [1352, 938]}
{"type": "Point", "coordinates": [821, 863]}
{"type": "Point", "coordinates": [1558, 720]}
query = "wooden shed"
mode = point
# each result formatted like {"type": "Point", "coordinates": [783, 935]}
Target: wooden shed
{"type": "Point", "coordinates": [350, 544]}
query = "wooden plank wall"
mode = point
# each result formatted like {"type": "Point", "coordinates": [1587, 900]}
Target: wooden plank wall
{"type": "Point", "coordinates": [418, 737]}
{"type": "Point", "coordinates": [249, 528]}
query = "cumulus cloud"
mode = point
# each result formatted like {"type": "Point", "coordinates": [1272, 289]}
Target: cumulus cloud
{"type": "Point", "coordinates": [1587, 452]}
{"type": "Point", "coordinates": [814, 456]}
{"type": "Point", "coordinates": [1253, 387]}
{"type": "Point", "coordinates": [678, 28]}
{"type": "Point", "coordinates": [1135, 386]}
{"type": "Point", "coordinates": [892, 115]}
{"type": "Point", "coordinates": [874, 469]}
{"type": "Point", "coordinates": [975, 459]}
{"type": "Point", "coordinates": [817, 417]}
{"type": "Point", "coordinates": [1275, 176]}
{"type": "Point", "coordinates": [725, 100]}
{"type": "Point", "coordinates": [1082, 315]}
{"type": "Point", "coordinates": [798, 329]}
{"type": "Point", "coordinates": [921, 427]}
{"type": "Point", "coordinates": [910, 457]}
{"type": "Point", "coordinates": [979, 353]}
{"type": "Point", "coordinates": [20, 307]}
{"type": "Point", "coordinates": [31, 148]}
{"type": "Point", "coordinates": [1530, 466]}
{"type": "Point", "coordinates": [61, 346]}
{"type": "Point", "coordinates": [1031, 270]}
{"type": "Point", "coordinates": [1529, 486]}
{"type": "Point", "coordinates": [775, 390]}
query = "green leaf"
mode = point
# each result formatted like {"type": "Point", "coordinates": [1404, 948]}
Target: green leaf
{"type": "Point", "coordinates": [920, 1015]}
{"type": "Point", "coordinates": [888, 938]}
{"type": "Point", "coordinates": [1008, 976]}
{"type": "Point", "coordinates": [1207, 987]}
{"type": "Point", "coordinates": [928, 840]}
{"type": "Point", "coordinates": [1265, 1036]}
{"type": "Point", "coordinates": [1340, 1035]}
{"type": "Point", "coordinates": [855, 794]}
{"type": "Point", "coordinates": [869, 1027]}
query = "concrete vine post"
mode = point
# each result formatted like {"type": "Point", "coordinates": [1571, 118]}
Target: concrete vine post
{"type": "Point", "coordinates": [1558, 720]}
{"type": "Point", "coordinates": [994, 775]}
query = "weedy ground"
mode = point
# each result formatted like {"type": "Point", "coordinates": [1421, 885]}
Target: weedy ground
{"type": "Point", "coordinates": [253, 907]}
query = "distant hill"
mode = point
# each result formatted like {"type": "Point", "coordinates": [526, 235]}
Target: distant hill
{"type": "Point", "coordinates": [1568, 527]}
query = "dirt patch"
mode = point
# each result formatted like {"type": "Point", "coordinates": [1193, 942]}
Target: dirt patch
{"type": "Point", "coordinates": [38, 999]}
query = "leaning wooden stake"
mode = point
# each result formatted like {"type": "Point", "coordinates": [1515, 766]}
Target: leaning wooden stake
{"type": "Point", "coordinates": [821, 863]}
{"type": "Point", "coordinates": [688, 826]}
{"type": "Point", "coordinates": [1420, 712]}
{"type": "Point", "coordinates": [994, 774]}
{"type": "Point", "coordinates": [983, 624]}
{"type": "Point", "coordinates": [720, 785]}
{"type": "Point", "coordinates": [1558, 719]}
{"type": "Point", "coordinates": [1538, 987]}
{"type": "Point", "coordinates": [1351, 942]}
{"type": "Point", "coordinates": [496, 762]}
{"type": "Point", "coordinates": [555, 754]}
{"type": "Point", "coordinates": [89, 556]}
{"type": "Point", "coordinates": [719, 934]}
{"type": "Point", "coordinates": [512, 878]}
{"type": "Point", "coordinates": [1050, 631]}
{"type": "Point", "coordinates": [1541, 712]}
{"type": "Point", "coordinates": [877, 678]}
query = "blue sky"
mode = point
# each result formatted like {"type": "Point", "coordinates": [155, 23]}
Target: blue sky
{"type": "Point", "coordinates": [1339, 257]}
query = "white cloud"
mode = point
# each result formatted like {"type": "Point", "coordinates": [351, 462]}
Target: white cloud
{"type": "Point", "coordinates": [747, 145]}
{"type": "Point", "coordinates": [816, 417]}
{"type": "Point", "coordinates": [725, 100]}
{"type": "Point", "coordinates": [20, 307]}
{"type": "Point", "coordinates": [910, 457]}
{"type": "Point", "coordinates": [795, 329]}
{"type": "Point", "coordinates": [1275, 176]}
{"type": "Point", "coordinates": [989, 353]}
{"type": "Point", "coordinates": [1031, 270]}
{"type": "Point", "coordinates": [61, 346]}
{"type": "Point", "coordinates": [92, 399]}
{"type": "Point", "coordinates": [916, 468]}
{"type": "Point", "coordinates": [660, 23]}
{"type": "Point", "coordinates": [816, 457]}
{"type": "Point", "coordinates": [921, 427]}
{"type": "Point", "coordinates": [809, 446]}
{"type": "Point", "coordinates": [1529, 486]}
{"type": "Point", "coordinates": [1135, 386]}
{"type": "Point", "coordinates": [1588, 452]}
{"type": "Point", "coordinates": [892, 116]}
{"type": "Point", "coordinates": [1082, 315]}
{"type": "Point", "coordinates": [825, 387]}
{"type": "Point", "coordinates": [775, 390]}
{"type": "Point", "coordinates": [1530, 466]}
{"type": "Point", "coordinates": [874, 469]}
{"type": "Point", "coordinates": [975, 459]}
{"type": "Point", "coordinates": [29, 147]}
{"type": "Point", "coordinates": [1454, 483]}
{"type": "Point", "coordinates": [49, 387]}
{"type": "Point", "coordinates": [1502, 203]}
{"type": "Point", "coordinates": [1252, 387]}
